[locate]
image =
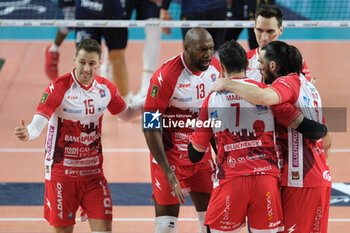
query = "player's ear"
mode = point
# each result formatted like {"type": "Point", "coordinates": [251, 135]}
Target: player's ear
{"type": "Point", "coordinates": [281, 31]}
{"type": "Point", "coordinates": [273, 66]}
{"type": "Point", "coordinates": [223, 69]}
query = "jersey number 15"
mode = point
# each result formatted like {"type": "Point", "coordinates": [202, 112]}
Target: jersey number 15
{"type": "Point", "coordinates": [89, 107]}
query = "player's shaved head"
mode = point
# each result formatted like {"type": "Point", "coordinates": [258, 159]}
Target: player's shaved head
{"type": "Point", "coordinates": [195, 35]}
{"type": "Point", "coordinates": [199, 49]}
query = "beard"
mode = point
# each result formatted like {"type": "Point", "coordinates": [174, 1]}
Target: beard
{"type": "Point", "coordinates": [269, 77]}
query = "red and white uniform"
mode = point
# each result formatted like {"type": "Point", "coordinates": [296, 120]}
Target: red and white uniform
{"type": "Point", "coordinates": [253, 71]}
{"type": "Point", "coordinates": [177, 92]}
{"type": "Point", "coordinates": [247, 163]}
{"type": "Point", "coordinates": [304, 163]}
{"type": "Point", "coordinates": [73, 148]}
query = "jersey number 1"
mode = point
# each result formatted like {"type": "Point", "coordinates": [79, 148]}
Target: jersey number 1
{"type": "Point", "coordinates": [89, 107]}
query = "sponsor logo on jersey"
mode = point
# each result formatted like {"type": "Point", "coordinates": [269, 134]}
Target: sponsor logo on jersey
{"type": "Point", "coordinates": [71, 172]}
{"type": "Point", "coordinates": [181, 136]}
{"type": "Point", "coordinates": [103, 188]}
{"type": "Point", "coordinates": [102, 93]}
{"type": "Point", "coordinates": [87, 162]}
{"type": "Point", "coordinates": [261, 109]}
{"type": "Point", "coordinates": [248, 158]}
{"type": "Point", "coordinates": [59, 200]}
{"type": "Point", "coordinates": [73, 111]}
{"type": "Point", "coordinates": [226, 215]}
{"type": "Point", "coordinates": [49, 142]}
{"type": "Point", "coordinates": [213, 77]}
{"type": "Point", "coordinates": [107, 202]}
{"type": "Point", "coordinates": [327, 175]}
{"type": "Point", "coordinates": [151, 120]}
{"type": "Point", "coordinates": [295, 149]}
{"type": "Point", "coordinates": [242, 145]}
{"type": "Point", "coordinates": [44, 98]}
{"type": "Point", "coordinates": [188, 99]}
{"type": "Point", "coordinates": [269, 209]}
{"type": "Point", "coordinates": [262, 170]}
{"type": "Point", "coordinates": [154, 92]}
{"type": "Point", "coordinates": [183, 85]}
{"type": "Point", "coordinates": [318, 217]}
{"type": "Point", "coordinates": [101, 109]}
{"type": "Point", "coordinates": [231, 162]}
{"type": "Point", "coordinates": [84, 138]}
{"type": "Point", "coordinates": [306, 101]}
{"type": "Point", "coordinates": [295, 175]}
{"type": "Point", "coordinates": [69, 97]}
{"type": "Point", "coordinates": [90, 172]}
{"type": "Point", "coordinates": [70, 215]}
{"type": "Point", "coordinates": [214, 114]}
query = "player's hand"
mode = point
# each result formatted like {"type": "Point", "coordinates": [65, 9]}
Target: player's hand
{"type": "Point", "coordinates": [176, 187]}
{"type": "Point", "coordinates": [165, 15]}
{"type": "Point", "coordinates": [21, 132]}
{"type": "Point", "coordinates": [221, 84]}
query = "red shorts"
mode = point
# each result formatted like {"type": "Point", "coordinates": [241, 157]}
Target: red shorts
{"type": "Point", "coordinates": [192, 178]}
{"type": "Point", "coordinates": [62, 200]}
{"type": "Point", "coordinates": [257, 197]}
{"type": "Point", "coordinates": [306, 209]}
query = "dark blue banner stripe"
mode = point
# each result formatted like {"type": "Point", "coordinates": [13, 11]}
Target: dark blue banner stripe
{"type": "Point", "coordinates": [123, 194]}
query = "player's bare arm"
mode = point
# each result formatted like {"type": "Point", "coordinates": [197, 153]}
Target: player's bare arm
{"type": "Point", "coordinates": [253, 94]}
{"type": "Point", "coordinates": [155, 144]}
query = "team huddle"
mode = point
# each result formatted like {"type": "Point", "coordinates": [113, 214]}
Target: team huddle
{"type": "Point", "coordinates": [269, 168]}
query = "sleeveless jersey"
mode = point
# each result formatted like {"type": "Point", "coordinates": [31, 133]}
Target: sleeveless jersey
{"type": "Point", "coordinates": [304, 159]}
{"type": "Point", "coordinates": [73, 142]}
{"type": "Point", "coordinates": [178, 93]}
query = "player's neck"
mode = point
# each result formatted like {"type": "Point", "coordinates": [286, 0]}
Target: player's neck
{"type": "Point", "coordinates": [237, 75]}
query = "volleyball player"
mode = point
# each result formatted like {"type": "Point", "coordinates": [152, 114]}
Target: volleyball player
{"type": "Point", "coordinates": [73, 106]}
{"type": "Point", "coordinates": [268, 27]}
{"type": "Point", "coordinates": [177, 90]}
{"type": "Point", "coordinates": [306, 178]}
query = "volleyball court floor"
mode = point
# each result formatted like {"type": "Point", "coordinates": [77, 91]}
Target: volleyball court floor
{"type": "Point", "coordinates": [126, 158]}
